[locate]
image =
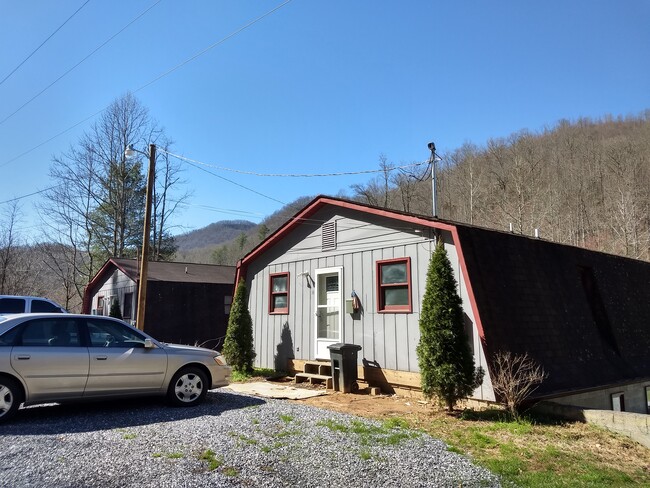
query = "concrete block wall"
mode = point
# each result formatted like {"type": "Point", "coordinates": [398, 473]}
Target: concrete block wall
{"type": "Point", "coordinates": [633, 425]}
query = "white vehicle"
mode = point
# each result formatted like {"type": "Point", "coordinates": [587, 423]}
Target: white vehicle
{"type": "Point", "coordinates": [24, 304]}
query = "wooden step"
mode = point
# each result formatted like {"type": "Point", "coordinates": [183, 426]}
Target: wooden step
{"type": "Point", "coordinates": [315, 378]}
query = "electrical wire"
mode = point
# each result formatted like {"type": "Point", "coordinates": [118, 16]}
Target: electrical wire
{"type": "Point", "coordinates": [29, 195]}
{"type": "Point", "coordinates": [43, 43]}
{"type": "Point", "coordinates": [151, 82]}
{"type": "Point", "coordinates": [239, 185]}
{"type": "Point", "coordinates": [212, 46]}
{"type": "Point", "coordinates": [303, 175]}
{"type": "Point", "coordinates": [80, 62]}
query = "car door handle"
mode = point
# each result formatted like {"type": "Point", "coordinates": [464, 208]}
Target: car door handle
{"type": "Point", "coordinates": [23, 356]}
{"type": "Point", "coordinates": [101, 358]}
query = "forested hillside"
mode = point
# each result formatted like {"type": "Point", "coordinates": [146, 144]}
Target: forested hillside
{"type": "Point", "coordinates": [585, 183]}
{"type": "Point", "coordinates": [211, 235]}
{"type": "Point", "coordinates": [231, 250]}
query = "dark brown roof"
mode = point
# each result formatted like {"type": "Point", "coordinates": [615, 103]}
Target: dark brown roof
{"type": "Point", "coordinates": [178, 272]}
{"type": "Point", "coordinates": [584, 315]}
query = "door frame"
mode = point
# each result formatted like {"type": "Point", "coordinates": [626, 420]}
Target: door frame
{"type": "Point", "coordinates": [317, 273]}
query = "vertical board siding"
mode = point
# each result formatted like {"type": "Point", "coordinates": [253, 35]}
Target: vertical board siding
{"type": "Point", "coordinates": [390, 339]}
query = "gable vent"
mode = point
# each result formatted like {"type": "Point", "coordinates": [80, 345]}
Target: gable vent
{"type": "Point", "coordinates": [328, 236]}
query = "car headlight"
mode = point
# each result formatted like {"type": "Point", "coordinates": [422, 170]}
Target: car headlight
{"type": "Point", "coordinates": [220, 360]}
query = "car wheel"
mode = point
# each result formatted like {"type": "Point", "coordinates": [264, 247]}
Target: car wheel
{"type": "Point", "coordinates": [188, 387]}
{"type": "Point", "coordinates": [10, 398]}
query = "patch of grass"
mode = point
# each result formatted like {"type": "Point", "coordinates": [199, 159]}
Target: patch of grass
{"type": "Point", "coordinates": [258, 373]}
{"type": "Point", "coordinates": [230, 471]}
{"type": "Point", "coordinates": [129, 436]}
{"type": "Point", "coordinates": [286, 418]}
{"type": "Point", "coordinates": [455, 449]}
{"type": "Point", "coordinates": [365, 455]}
{"type": "Point", "coordinates": [267, 449]}
{"type": "Point", "coordinates": [256, 421]}
{"type": "Point", "coordinates": [156, 455]}
{"type": "Point", "coordinates": [247, 440]}
{"type": "Point", "coordinates": [390, 433]}
{"type": "Point", "coordinates": [533, 452]}
{"type": "Point", "coordinates": [175, 455]}
{"type": "Point", "coordinates": [396, 423]}
{"type": "Point", "coordinates": [210, 457]}
{"type": "Point", "coordinates": [287, 433]}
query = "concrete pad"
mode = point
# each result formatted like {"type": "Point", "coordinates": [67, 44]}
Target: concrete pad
{"type": "Point", "coordinates": [268, 389]}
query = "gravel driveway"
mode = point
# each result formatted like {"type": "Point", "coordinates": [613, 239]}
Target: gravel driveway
{"type": "Point", "coordinates": [230, 440]}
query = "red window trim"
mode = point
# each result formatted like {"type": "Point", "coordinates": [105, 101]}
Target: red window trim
{"type": "Point", "coordinates": [381, 308]}
{"type": "Point", "coordinates": [278, 311]}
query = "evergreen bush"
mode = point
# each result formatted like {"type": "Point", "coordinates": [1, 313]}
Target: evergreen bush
{"type": "Point", "coordinates": [238, 347]}
{"type": "Point", "coordinates": [446, 362]}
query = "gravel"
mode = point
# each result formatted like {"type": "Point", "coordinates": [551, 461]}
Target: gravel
{"type": "Point", "coordinates": [231, 440]}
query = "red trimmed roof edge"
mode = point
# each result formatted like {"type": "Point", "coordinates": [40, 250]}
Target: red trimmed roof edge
{"type": "Point", "coordinates": [322, 200]}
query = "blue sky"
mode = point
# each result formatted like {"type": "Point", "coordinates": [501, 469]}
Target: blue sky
{"type": "Point", "coordinates": [316, 86]}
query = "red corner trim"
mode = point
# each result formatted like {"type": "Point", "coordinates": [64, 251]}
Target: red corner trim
{"type": "Point", "coordinates": [468, 283]}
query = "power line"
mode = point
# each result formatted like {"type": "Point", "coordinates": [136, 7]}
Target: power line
{"type": "Point", "coordinates": [239, 185]}
{"type": "Point", "coordinates": [151, 82]}
{"type": "Point", "coordinates": [29, 195]}
{"type": "Point", "coordinates": [43, 43]}
{"type": "Point", "coordinates": [76, 65]}
{"type": "Point", "coordinates": [303, 175]}
{"type": "Point", "coordinates": [212, 46]}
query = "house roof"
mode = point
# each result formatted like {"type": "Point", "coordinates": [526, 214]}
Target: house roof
{"type": "Point", "coordinates": [175, 272]}
{"type": "Point", "coordinates": [583, 315]}
{"type": "Point", "coordinates": [160, 271]}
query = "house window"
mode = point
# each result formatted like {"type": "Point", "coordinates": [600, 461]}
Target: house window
{"type": "Point", "coordinates": [227, 303]}
{"type": "Point", "coordinates": [128, 305]}
{"type": "Point", "coordinates": [394, 285]}
{"type": "Point", "coordinates": [618, 402]}
{"type": "Point", "coordinates": [647, 399]}
{"type": "Point", "coordinates": [100, 305]}
{"type": "Point", "coordinates": [279, 293]}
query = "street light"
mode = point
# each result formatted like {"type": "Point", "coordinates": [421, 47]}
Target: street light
{"type": "Point", "coordinates": [432, 161]}
{"type": "Point", "coordinates": [129, 152]}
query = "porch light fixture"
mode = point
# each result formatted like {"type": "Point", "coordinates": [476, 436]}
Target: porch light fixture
{"type": "Point", "coordinates": [130, 152]}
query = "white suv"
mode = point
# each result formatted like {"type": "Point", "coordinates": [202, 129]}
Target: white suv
{"type": "Point", "coordinates": [21, 304]}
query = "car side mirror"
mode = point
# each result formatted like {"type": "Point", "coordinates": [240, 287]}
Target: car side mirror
{"type": "Point", "coordinates": [148, 344]}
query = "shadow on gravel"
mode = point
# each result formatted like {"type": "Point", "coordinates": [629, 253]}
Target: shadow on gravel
{"type": "Point", "coordinates": [90, 416]}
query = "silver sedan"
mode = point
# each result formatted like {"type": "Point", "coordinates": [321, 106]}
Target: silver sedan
{"type": "Point", "coordinates": [54, 357]}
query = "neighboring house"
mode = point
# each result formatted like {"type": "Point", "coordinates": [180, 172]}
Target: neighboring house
{"type": "Point", "coordinates": [186, 303]}
{"type": "Point", "coordinates": [342, 271]}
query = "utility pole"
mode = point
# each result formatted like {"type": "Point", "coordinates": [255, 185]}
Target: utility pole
{"type": "Point", "coordinates": [433, 159]}
{"type": "Point", "coordinates": [144, 258]}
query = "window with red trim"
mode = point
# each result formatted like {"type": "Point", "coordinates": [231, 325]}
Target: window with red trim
{"type": "Point", "coordinates": [279, 293]}
{"type": "Point", "coordinates": [394, 285]}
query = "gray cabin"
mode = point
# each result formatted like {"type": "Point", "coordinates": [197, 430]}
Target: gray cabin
{"type": "Point", "coordinates": [342, 271]}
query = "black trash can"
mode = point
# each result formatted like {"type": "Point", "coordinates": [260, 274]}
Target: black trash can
{"type": "Point", "coordinates": [344, 366]}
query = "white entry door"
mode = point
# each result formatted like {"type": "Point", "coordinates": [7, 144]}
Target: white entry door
{"type": "Point", "coordinates": [329, 297]}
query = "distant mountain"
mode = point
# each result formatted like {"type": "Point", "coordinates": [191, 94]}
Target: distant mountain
{"type": "Point", "coordinates": [213, 234]}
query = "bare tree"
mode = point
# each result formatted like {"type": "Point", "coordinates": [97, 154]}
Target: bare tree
{"type": "Point", "coordinates": [377, 191]}
{"type": "Point", "coordinates": [514, 378]}
{"type": "Point", "coordinates": [96, 208]}
{"type": "Point", "coordinates": [168, 179]}
{"type": "Point", "coordinates": [20, 272]}
{"type": "Point", "coordinates": [8, 248]}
